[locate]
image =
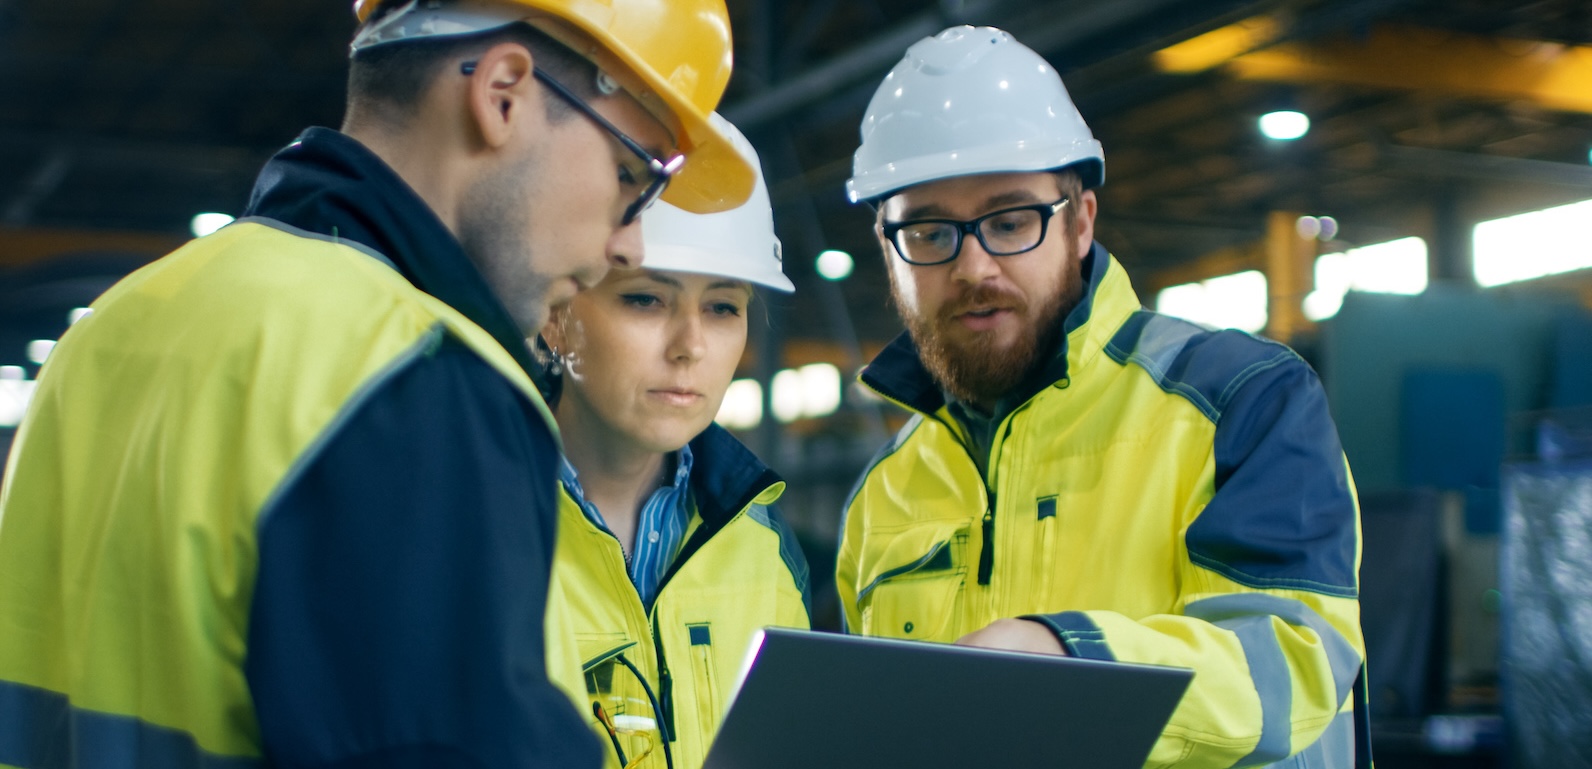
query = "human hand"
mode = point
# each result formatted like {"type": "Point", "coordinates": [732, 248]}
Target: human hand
{"type": "Point", "coordinates": [1020, 635]}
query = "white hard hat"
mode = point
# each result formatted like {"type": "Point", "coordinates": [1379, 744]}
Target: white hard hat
{"type": "Point", "coordinates": [738, 243]}
{"type": "Point", "coordinates": [970, 100]}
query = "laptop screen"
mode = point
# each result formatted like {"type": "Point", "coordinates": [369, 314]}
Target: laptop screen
{"type": "Point", "coordinates": [825, 701]}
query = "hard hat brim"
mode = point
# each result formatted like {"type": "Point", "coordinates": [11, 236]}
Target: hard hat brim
{"type": "Point", "coordinates": [698, 261]}
{"type": "Point", "coordinates": [1085, 156]}
{"type": "Point", "coordinates": [714, 177]}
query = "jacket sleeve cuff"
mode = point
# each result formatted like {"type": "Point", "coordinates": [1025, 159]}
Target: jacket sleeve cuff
{"type": "Point", "coordinates": [1078, 634]}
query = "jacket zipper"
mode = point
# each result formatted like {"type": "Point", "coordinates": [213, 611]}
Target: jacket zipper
{"type": "Point", "coordinates": [665, 682]}
{"type": "Point", "coordinates": [986, 555]}
{"type": "Point", "coordinates": [907, 569]}
{"type": "Point", "coordinates": [986, 550]}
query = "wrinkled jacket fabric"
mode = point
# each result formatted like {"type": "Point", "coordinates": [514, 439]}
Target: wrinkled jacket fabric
{"type": "Point", "coordinates": [286, 498]}
{"type": "Point", "coordinates": [740, 569]}
{"type": "Point", "coordinates": [1167, 494]}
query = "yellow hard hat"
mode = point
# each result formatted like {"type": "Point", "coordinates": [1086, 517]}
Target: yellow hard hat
{"type": "Point", "coordinates": [674, 56]}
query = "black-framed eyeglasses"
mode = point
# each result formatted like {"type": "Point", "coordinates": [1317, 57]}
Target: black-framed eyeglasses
{"type": "Point", "coordinates": [661, 169]}
{"type": "Point", "coordinates": [1006, 232]}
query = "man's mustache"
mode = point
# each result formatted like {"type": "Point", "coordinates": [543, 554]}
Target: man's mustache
{"type": "Point", "coordinates": [982, 296]}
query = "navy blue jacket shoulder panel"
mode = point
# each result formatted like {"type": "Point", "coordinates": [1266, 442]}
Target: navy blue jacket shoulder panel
{"type": "Point", "coordinates": [403, 572]}
{"type": "Point", "coordinates": [1283, 514]}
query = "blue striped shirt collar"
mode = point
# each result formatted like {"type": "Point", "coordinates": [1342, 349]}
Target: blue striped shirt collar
{"type": "Point", "coordinates": [660, 526]}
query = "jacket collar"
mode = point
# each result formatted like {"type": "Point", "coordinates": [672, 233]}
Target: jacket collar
{"type": "Point", "coordinates": [728, 477]}
{"type": "Point", "coordinates": [898, 374]}
{"type": "Point", "coordinates": [328, 183]}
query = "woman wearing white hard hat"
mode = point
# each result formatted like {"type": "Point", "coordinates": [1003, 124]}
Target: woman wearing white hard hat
{"type": "Point", "coordinates": [670, 553]}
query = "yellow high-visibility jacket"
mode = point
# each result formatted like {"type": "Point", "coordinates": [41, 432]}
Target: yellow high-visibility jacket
{"type": "Point", "coordinates": [279, 501]}
{"type": "Point", "coordinates": [1163, 494]}
{"type": "Point", "coordinates": [738, 570]}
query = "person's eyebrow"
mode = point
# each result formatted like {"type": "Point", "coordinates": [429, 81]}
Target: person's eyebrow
{"type": "Point", "coordinates": [935, 211]}
{"type": "Point", "coordinates": [652, 148]}
{"type": "Point", "coordinates": [733, 285]}
{"type": "Point", "coordinates": [658, 277]}
{"type": "Point", "coordinates": [1015, 197]}
{"type": "Point", "coordinates": [928, 211]}
{"type": "Point", "coordinates": [658, 150]}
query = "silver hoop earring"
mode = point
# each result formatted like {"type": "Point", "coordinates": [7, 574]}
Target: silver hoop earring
{"type": "Point", "coordinates": [556, 367]}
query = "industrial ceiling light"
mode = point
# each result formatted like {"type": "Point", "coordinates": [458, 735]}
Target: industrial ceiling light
{"type": "Point", "coordinates": [834, 265]}
{"type": "Point", "coordinates": [39, 350]}
{"type": "Point", "coordinates": [1323, 228]}
{"type": "Point", "coordinates": [206, 223]}
{"type": "Point", "coordinates": [1284, 125]}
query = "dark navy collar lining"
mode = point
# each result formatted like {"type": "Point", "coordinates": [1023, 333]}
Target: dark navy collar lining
{"type": "Point", "coordinates": [329, 184]}
{"type": "Point", "coordinates": [727, 477]}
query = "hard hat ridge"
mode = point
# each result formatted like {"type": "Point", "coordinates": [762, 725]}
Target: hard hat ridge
{"type": "Point", "coordinates": [970, 100]}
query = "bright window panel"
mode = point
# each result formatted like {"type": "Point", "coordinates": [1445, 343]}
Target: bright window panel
{"type": "Point", "coordinates": [1231, 301]}
{"type": "Point", "coordinates": [1395, 267]}
{"type": "Point", "coordinates": [742, 407]}
{"type": "Point", "coordinates": [14, 397]}
{"type": "Point", "coordinates": [1527, 246]}
{"type": "Point", "coordinates": [820, 389]}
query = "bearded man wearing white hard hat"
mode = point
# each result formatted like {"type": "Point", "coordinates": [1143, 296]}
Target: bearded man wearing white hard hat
{"type": "Point", "coordinates": [288, 496]}
{"type": "Point", "coordinates": [1082, 476]}
{"type": "Point", "coordinates": [671, 553]}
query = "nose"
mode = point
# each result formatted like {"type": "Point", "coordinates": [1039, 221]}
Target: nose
{"type": "Point", "coordinates": [973, 265]}
{"type": "Point", "coordinates": [625, 247]}
{"type": "Point", "coordinates": [687, 343]}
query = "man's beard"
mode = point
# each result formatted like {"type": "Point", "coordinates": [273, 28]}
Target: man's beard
{"type": "Point", "coordinates": [492, 227]}
{"type": "Point", "coordinates": [970, 366]}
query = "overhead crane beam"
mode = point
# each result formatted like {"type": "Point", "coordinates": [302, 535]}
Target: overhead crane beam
{"type": "Point", "coordinates": [21, 245]}
{"type": "Point", "coordinates": [1552, 75]}
{"type": "Point", "coordinates": [1042, 26]}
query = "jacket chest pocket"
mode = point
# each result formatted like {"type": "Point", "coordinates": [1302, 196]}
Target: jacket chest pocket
{"type": "Point", "coordinates": [705, 678]}
{"type": "Point", "coordinates": [915, 589]}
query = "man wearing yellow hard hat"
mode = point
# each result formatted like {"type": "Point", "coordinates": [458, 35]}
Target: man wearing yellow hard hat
{"type": "Point", "coordinates": [286, 497]}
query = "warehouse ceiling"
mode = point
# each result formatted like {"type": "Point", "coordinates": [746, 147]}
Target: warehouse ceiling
{"type": "Point", "coordinates": [121, 120]}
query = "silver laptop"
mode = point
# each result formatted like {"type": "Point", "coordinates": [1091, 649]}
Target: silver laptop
{"type": "Point", "coordinates": [823, 701]}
